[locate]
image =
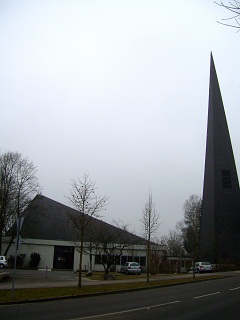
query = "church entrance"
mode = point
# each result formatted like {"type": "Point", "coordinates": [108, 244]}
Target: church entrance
{"type": "Point", "coordinates": [63, 257]}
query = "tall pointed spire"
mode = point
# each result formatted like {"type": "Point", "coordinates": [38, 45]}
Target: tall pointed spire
{"type": "Point", "coordinates": [220, 224]}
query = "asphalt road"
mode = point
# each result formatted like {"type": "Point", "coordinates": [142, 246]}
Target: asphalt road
{"type": "Point", "coordinates": [215, 299]}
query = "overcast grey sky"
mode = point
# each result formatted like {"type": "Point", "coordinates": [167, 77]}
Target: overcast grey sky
{"type": "Point", "coordinates": [117, 89]}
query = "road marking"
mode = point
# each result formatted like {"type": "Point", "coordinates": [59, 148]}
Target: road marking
{"type": "Point", "coordinates": [206, 295]}
{"type": "Point", "coordinates": [127, 311]}
{"type": "Point", "coordinates": [234, 289]}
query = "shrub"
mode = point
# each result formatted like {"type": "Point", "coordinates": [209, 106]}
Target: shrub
{"type": "Point", "coordinates": [11, 261]}
{"type": "Point", "coordinates": [20, 261]}
{"type": "Point", "coordinates": [34, 260]}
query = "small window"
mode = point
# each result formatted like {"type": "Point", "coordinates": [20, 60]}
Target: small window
{"type": "Point", "coordinates": [226, 179]}
{"type": "Point", "coordinates": [136, 259]}
{"type": "Point", "coordinates": [143, 261]}
{"type": "Point", "coordinates": [123, 260]}
{"type": "Point", "coordinates": [98, 259]}
{"type": "Point", "coordinates": [117, 260]}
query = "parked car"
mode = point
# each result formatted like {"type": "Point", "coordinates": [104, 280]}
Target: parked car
{"type": "Point", "coordinates": [131, 268]}
{"type": "Point", "coordinates": [3, 262]}
{"type": "Point", "coordinates": [203, 266]}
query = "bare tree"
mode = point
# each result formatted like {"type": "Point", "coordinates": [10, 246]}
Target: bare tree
{"type": "Point", "coordinates": [88, 204]}
{"type": "Point", "coordinates": [134, 251]}
{"type": "Point", "coordinates": [173, 242]}
{"type": "Point", "coordinates": [234, 8]}
{"type": "Point", "coordinates": [110, 243]}
{"type": "Point", "coordinates": [156, 255]}
{"type": "Point", "coordinates": [89, 246]}
{"type": "Point", "coordinates": [18, 186]}
{"type": "Point", "coordinates": [150, 223]}
{"type": "Point", "coordinates": [190, 228]}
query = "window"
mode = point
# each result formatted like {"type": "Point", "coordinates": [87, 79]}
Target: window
{"type": "Point", "coordinates": [143, 261]}
{"type": "Point", "coordinates": [117, 260]}
{"type": "Point", "coordinates": [123, 260]}
{"type": "Point", "coordinates": [226, 179]}
{"type": "Point", "coordinates": [99, 259]}
{"type": "Point", "coordinates": [136, 259]}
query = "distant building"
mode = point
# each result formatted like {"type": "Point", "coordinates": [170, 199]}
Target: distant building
{"type": "Point", "coordinates": [49, 231]}
{"type": "Point", "coordinates": [220, 223]}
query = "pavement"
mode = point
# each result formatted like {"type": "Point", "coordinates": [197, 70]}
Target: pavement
{"type": "Point", "coordinates": [42, 278]}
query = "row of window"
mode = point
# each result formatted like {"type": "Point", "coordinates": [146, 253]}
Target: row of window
{"type": "Point", "coordinates": [226, 179]}
{"type": "Point", "coordinates": [99, 259]}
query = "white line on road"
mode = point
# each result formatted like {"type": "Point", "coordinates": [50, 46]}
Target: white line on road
{"type": "Point", "coordinates": [127, 311]}
{"type": "Point", "coordinates": [206, 295]}
{"type": "Point", "coordinates": [234, 289]}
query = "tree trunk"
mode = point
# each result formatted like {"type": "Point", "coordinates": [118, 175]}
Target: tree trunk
{"type": "Point", "coordinates": [90, 264]}
{"type": "Point", "coordinates": [9, 245]}
{"type": "Point", "coordinates": [80, 265]}
{"type": "Point", "coordinates": [1, 240]}
{"type": "Point", "coordinates": [148, 249]}
{"type": "Point", "coordinates": [90, 254]}
{"type": "Point", "coordinates": [148, 259]}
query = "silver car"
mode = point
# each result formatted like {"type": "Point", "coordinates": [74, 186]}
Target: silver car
{"type": "Point", "coordinates": [3, 262]}
{"type": "Point", "coordinates": [131, 268]}
{"type": "Point", "coordinates": [203, 266]}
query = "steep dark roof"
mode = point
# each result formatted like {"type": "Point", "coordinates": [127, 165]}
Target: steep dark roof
{"type": "Point", "coordinates": [50, 220]}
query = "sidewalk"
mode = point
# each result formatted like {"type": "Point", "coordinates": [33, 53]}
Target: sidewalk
{"type": "Point", "coordinates": [41, 278]}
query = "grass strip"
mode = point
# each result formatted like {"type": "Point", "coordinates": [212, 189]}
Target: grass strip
{"type": "Point", "coordinates": [30, 294]}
